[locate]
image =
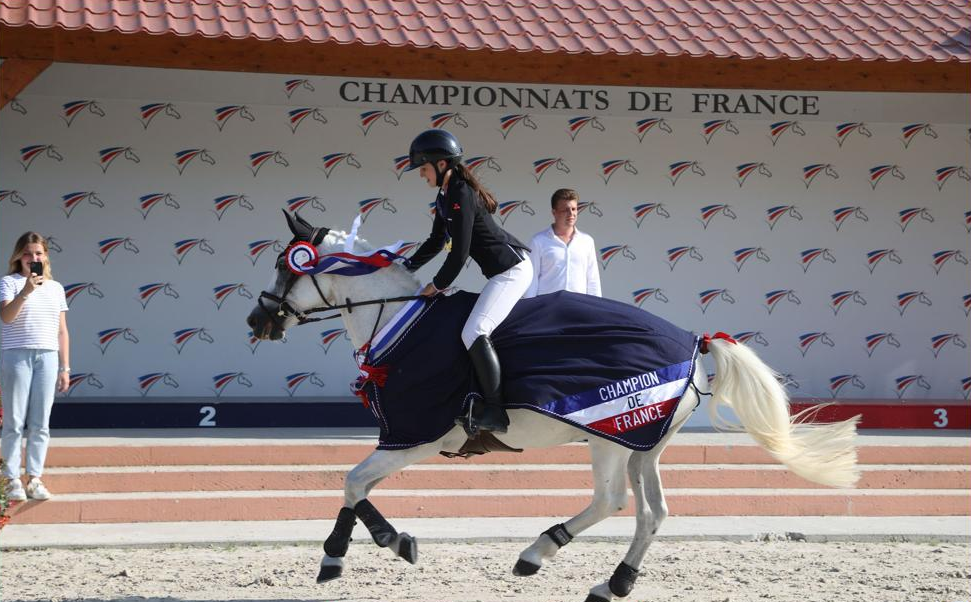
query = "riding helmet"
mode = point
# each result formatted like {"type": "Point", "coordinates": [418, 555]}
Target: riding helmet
{"type": "Point", "coordinates": [431, 146]}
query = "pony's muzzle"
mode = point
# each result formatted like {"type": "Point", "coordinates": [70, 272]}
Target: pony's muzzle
{"type": "Point", "coordinates": [262, 325]}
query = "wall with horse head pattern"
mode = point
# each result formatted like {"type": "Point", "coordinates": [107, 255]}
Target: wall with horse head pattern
{"type": "Point", "coordinates": [834, 241]}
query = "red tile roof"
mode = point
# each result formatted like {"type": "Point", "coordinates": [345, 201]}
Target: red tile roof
{"type": "Point", "coordinates": [889, 30]}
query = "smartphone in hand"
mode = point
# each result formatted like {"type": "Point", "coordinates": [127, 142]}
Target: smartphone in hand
{"type": "Point", "coordinates": [37, 268]}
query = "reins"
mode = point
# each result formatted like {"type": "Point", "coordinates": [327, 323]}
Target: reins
{"type": "Point", "coordinates": [286, 310]}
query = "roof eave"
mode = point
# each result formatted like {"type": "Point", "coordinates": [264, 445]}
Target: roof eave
{"type": "Point", "coordinates": [168, 50]}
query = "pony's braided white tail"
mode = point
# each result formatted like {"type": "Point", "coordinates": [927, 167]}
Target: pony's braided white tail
{"type": "Point", "coordinates": [824, 453]}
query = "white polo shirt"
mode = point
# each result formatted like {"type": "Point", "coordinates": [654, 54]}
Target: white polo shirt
{"type": "Point", "coordinates": [558, 266]}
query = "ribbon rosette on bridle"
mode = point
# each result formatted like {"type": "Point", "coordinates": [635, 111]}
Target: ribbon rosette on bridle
{"type": "Point", "coordinates": [302, 258]}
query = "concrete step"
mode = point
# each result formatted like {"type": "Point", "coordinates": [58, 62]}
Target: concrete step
{"type": "Point", "coordinates": [324, 504]}
{"type": "Point", "coordinates": [244, 475]}
{"type": "Point", "coordinates": [475, 476]}
{"type": "Point", "coordinates": [326, 452]}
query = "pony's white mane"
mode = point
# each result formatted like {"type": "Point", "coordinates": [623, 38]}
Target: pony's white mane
{"type": "Point", "coordinates": [334, 243]}
{"type": "Point", "coordinates": [392, 281]}
{"type": "Point", "coordinates": [335, 239]}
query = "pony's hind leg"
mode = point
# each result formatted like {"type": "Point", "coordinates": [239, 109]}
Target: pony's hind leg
{"type": "Point", "coordinates": [357, 485]}
{"type": "Point", "coordinates": [644, 473]}
{"type": "Point", "coordinates": [610, 496]}
{"type": "Point", "coordinates": [651, 509]}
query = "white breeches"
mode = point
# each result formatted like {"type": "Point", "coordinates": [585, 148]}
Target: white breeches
{"type": "Point", "coordinates": [497, 299]}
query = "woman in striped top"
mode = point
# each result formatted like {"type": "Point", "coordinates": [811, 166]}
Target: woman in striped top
{"type": "Point", "coordinates": [33, 361]}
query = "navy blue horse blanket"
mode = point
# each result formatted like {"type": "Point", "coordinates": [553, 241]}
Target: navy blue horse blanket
{"type": "Point", "coordinates": [611, 369]}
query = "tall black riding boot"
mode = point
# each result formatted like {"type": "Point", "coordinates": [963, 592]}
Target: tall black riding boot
{"type": "Point", "coordinates": [489, 414]}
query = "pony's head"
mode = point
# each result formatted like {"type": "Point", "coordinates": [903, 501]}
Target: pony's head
{"type": "Point", "coordinates": [290, 294]}
{"type": "Point", "coordinates": [274, 311]}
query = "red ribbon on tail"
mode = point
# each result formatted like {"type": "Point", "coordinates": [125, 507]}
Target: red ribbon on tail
{"type": "Point", "coordinates": [706, 340]}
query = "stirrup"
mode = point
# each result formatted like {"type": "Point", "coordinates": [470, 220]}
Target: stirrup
{"type": "Point", "coordinates": [472, 424]}
{"type": "Point", "coordinates": [467, 422]}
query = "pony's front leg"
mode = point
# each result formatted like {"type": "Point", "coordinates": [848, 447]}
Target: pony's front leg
{"type": "Point", "coordinates": [610, 496]}
{"type": "Point", "coordinates": [335, 547]}
{"type": "Point", "coordinates": [357, 485]}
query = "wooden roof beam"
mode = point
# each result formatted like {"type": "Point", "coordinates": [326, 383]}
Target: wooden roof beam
{"type": "Point", "coordinates": [16, 74]}
{"type": "Point", "coordinates": [383, 61]}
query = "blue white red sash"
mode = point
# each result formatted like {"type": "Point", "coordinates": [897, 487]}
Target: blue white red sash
{"type": "Point", "coordinates": [368, 357]}
{"type": "Point", "coordinates": [390, 332]}
{"type": "Point", "coordinates": [348, 264]}
{"type": "Point", "coordinates": [626, 405]}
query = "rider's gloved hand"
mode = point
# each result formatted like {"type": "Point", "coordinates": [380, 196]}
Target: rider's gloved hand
{"type": "Point", "coordinates": [429, 290]}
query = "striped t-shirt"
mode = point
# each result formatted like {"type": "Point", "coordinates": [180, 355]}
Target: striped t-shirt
{"type": "Point", "coordinates": [39, 319]}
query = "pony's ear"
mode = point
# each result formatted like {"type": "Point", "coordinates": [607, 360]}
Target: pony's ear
{"type": "Point", "coordinates": [315, 235]}
{"type": "Point", "coordinates": [290, 223]}
{"type": "Point", "coordinates": [318, 236]}
{"type": "Point", "coordinates": [301, 228]}
{"type": "Point", "coordinates": [303, 222]}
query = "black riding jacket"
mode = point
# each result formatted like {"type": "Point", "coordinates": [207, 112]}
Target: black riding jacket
{"type": "Point", "coordinates": [461, 218]}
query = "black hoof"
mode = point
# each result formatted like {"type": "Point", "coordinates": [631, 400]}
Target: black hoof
{"type": "Point", "coordinates": [383, 539]}
{"type": "Point", "coordinates": [408, 548]}
{"type": "Point", "coordinates": [329, 573]}
{"type": "Point", "coordinates": [595, 598]}
{"type": "Point", "coordinates": [524, 568]}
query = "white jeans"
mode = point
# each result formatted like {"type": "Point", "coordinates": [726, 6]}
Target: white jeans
{"type": "Point", "coordinates": [497, 299]}
{"type": "Point", "coordinates": [28, 378]}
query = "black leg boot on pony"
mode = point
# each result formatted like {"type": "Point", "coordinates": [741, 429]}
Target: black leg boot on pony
{"type": "Point", "coordinates": [487, 415]}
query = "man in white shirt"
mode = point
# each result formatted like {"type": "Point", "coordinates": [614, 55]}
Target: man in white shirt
{"type": "Point", "coordinates": [564, 258]}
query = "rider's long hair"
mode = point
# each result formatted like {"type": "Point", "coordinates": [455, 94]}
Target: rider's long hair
{"type": "Point", "coordinates": [488, 201]}
{"type": "Point", "coordinates": [15, 267]}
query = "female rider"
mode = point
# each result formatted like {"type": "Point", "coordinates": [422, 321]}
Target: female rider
{"type": "Point", "coordinates": [465, 227]}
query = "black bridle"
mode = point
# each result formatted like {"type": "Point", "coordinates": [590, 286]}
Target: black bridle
{"type": "Point", "coordinates": [285, 310]}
